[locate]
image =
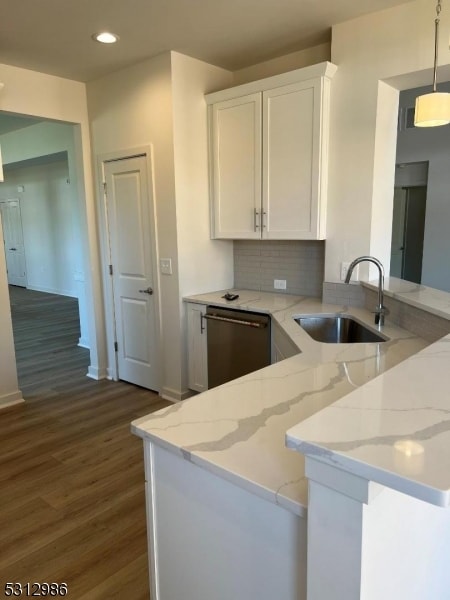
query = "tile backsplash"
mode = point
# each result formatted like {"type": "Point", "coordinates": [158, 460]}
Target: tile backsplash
{"type": "Point", "coordinates": [343, 294]}
{"type": "Point", "coordinates": [420, 322]}
{"type": "Point", "coordinates": [301, 263]}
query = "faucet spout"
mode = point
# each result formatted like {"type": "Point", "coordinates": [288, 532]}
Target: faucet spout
{"type": "Point", "coordinates": [380, 310]}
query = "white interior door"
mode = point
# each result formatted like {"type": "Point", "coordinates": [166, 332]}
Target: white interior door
{"type": "Point", "coordinates": [129, 223]}
{"type": "Point", "coordinates": [13, 240]}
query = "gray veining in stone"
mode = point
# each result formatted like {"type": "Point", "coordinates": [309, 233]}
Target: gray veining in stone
{"type": "Point", "coordinates": [395, 430]}
{"type": "Point", "coordinates": [247, 427]}
{"type": "Point", "coordinates": [237, 430]}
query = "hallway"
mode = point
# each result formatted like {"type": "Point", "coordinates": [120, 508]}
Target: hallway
{"type": "Point", "coordinates": [71, 473]}
{"type": "Point", "coordinates": [46, 331]}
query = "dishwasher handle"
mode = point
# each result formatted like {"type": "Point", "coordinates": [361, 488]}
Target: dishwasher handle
{"type": "Point", "coordinates": [257, 324]}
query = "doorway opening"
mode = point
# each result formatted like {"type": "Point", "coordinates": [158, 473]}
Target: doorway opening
{"type": "Point", "coordinates": [408, 226]}
{"type": "Point", "coordinates": [46, 330]}
{"type": "Point", "coordinates": [41, 205]}
{"type": "Point", "coordinates": [408, 221]}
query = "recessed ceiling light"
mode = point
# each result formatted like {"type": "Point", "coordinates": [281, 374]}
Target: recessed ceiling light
{"type": "Point", "coordinates": [105, 37]}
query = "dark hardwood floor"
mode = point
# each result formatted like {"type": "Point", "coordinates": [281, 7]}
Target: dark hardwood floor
{"type": "Point", "coordinates": [71, 474]}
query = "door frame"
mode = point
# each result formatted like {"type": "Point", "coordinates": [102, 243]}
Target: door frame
{"type": "Point", "coordinates": [105, 252]}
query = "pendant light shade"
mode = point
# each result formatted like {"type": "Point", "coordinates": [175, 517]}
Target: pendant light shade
{"type": "Point", "coordinates": [433, 109]}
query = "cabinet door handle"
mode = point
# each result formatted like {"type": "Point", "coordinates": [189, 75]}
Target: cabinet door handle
{"type": "Point", "coordinates": [255, 219]}
{"type": "Point", "coordinates": [256, 324]}
{"type": "Point", "coordinates": [264, 219]}
{"type": "Point", "coordinates": [202, 326]}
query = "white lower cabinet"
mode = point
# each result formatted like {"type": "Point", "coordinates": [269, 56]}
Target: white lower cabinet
{"type": "Point", "coordinates": [197, 347]}
{"type": "Point", "coordinates": [210, 539]}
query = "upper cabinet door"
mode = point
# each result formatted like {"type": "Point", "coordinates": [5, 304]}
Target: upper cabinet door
{"type": "Point", "coordinates": [236, 176]}
{"type": "Point", "coordinates": [275, 187]}
{"type": "Point", "coordinates": [291, 167]}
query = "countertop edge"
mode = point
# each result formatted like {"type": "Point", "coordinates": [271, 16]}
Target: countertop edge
{"type": "Point", "coordinates": [436, 302]}
{"type": "Point", "coordinates": [393, 390]}
{"type": "Point", "coordinates": [258, 490]}
{"type": "Point", "coordinates": [371, 473]}
{"type": "Point", "coordinates": [281, 307]}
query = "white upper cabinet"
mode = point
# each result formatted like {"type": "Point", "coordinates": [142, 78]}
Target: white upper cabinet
{"type": "Point", "coordinates": [236, 166]}
{"type": "Point", "coordinates": [290, 162]}
{"type": "Point", "coordinates": [269, 156]}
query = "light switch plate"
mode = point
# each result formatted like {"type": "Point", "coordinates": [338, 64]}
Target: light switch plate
{"type": "Point", "coordinates": [165, 266]}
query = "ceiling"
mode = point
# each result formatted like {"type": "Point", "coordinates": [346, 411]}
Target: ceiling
{"type": "Point", "coordinates": [54, 36]}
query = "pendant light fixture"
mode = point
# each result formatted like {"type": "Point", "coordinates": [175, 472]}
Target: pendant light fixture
{"type": "Point", "coordinates": [433, 109]}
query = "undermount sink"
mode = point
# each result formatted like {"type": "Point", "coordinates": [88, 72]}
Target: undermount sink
{"type": "Point", "coordinates": [337, 329]}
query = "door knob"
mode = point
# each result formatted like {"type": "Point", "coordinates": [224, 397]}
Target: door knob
{"type": "Point", "coordinates": [147, 291]}
{"type": "Point", "coordinates": [13, 249]}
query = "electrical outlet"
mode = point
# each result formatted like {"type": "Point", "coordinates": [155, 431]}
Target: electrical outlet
{"type": "Point", "coordinates": [344, 269]}
{"type": "Point", "coordinates": [279, 284]}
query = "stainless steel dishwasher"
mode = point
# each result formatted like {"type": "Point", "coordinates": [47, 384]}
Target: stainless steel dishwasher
{"type": "Point", "coordinates": [238, 343]}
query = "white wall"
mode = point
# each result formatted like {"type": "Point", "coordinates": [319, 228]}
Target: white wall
{"type": "Point", "coordinates": [394, 46]}
{"type": "Point", "coordinates": [432, 145]}
{"type": "Point", "coordinates": [133, 108]}
{"type": "Point", "coordinates": [36, 94]}
{"type": "Point", "coordinates": [203, 264]}
{"type": "Point", "coordinates": [147, 104]}
{"type": "Point", "coordinates": [282, 64]}
{"type": "Point", "coordinates": [48, 225]}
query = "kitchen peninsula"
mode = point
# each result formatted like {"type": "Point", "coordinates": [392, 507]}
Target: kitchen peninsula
{"type": "Point", "coordinates": [378, 466]}
{"type": "Point", "coordinates": [227, 501]}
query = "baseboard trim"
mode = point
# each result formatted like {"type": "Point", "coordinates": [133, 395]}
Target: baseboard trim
{"type": "Point", "coordinates": [84, 343]}
{"type": "Point", "coordinates": [175, 395]}
{"type": "Point", "coordinates": [96, 373]}
{"type": "Point", "coordinates": [47, 290]}
{"type": "Point", "coordinates": [11, 399]}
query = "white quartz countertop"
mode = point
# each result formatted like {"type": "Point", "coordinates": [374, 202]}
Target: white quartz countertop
{"type": "Point", "coordinates": [395, 430]}
{"type": "Point", "coordinates": [237, 430]}
{"type": "Point", "coordinates": [433, 301]}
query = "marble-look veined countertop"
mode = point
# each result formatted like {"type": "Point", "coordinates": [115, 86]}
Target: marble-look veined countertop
{"type": "Point", "coordinates": [395, 430]}
{"type": "Point", "coordinates": [237, 430]}
{"type": "Point", "coordinates": [420, 296]}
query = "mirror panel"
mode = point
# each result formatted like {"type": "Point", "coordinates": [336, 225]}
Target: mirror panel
{"type": "Point", "coordinates": [423, 161]}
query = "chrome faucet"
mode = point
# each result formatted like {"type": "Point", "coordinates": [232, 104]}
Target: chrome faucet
{"type": "Point", "coordinates": [380, 310]}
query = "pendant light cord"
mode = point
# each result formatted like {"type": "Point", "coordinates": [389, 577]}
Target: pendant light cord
{"type": "Point", "coordinates": [436, 38]}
